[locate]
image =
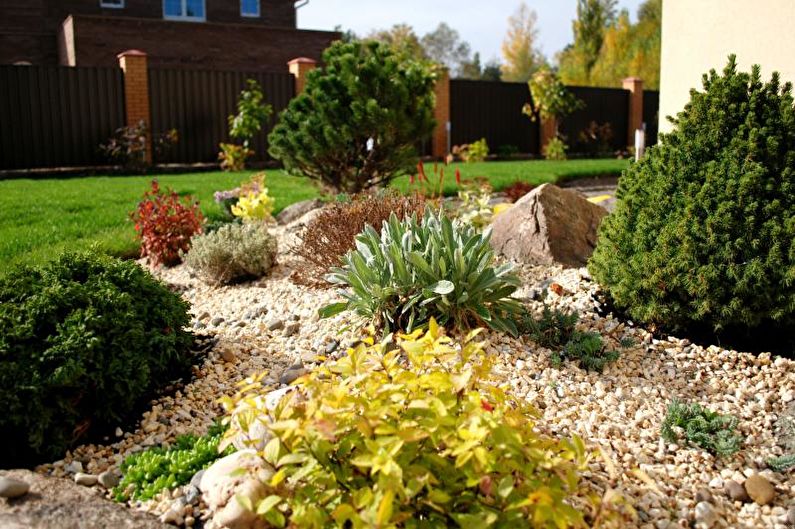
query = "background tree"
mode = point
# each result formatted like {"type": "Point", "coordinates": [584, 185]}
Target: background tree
{"type": "Point", "coordinates": [594, 17]}
{"type": "Point", "coordinates": [444, 46]}
{"type": "Point", "coordinates": [522, 58]}
{"type": "Point", "coordinates": [359, 119]}
{"type": "Point", "coordinates": [550, 99]}
{"type": "Point", "coordinates": [402, 39]}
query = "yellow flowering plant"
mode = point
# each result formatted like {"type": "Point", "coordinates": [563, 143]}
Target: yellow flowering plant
{"type": "Point", "coordinates": [254, 203]}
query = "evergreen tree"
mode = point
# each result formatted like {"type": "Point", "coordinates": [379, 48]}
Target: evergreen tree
{"type": "Point", "coordinates": [593, 19]}
{"type": "Point", "coordinates": [359, 119]}
{"type": "Point", "coordinates": [704, 230]}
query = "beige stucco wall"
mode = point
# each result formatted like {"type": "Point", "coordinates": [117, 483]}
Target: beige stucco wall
{"type": "Point", "coordinates": [698, 35]}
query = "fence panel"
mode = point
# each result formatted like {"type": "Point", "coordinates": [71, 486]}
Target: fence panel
{"type": "Point", "coordinates": [651, 115]}
{"type": "Point", "coordinates": [198, 102]}
{"type": "Point", "coordinates": [57, 116]}
{"type": "Point", "coordinates": [601, 105]}
{"type": "Point", "coordinates": [492, 110]}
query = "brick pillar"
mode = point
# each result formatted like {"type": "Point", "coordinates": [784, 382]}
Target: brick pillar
{"type": "Point", "coordinates": [635, 87]}
{"type": "Point", "coordinates": [300, 67]}
{"type": "Point", "coordinates": [440, 142]}
{"type": "Point", "coordinates": [136, 92]}
{"type": "Point", "coordinates": [547, 131]}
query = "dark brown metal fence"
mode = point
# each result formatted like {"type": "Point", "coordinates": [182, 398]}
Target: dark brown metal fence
{"type": "Point", "coordinates": [492, 110]}
{"type": "Point", "coordinates": [54, 116]}
{"type": "Point", "coordinates": [198, 102]}
{"type": "Point", "coordinates": [651, 115]}
{"type": "Point", "coordinates": [600, 106]}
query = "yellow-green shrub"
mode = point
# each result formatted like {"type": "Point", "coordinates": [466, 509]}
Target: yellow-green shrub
{"type": "Point", "coordinates": [413, 435]}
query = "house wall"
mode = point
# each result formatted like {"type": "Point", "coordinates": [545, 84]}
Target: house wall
{"type": "Point", "coordinates": [96, 40]}
{"type": "Point", "coordinates": [29, 29]}
{"type": "Point", "coordinates": [698, 35]}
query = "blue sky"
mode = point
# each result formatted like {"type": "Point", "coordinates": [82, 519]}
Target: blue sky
{"type": "Point", "coordinates": [481, 23]}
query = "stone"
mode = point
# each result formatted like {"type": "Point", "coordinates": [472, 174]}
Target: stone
{"type": "Point", "coordinates": [108, 479]}
{"type": "Point", "coordinates": [291, 375]}
{"type": "Point", "coordinates": [332, 346]}
{"type": "Point", "coordinates": [86, 480]}
{"type": "Point", "coordinates": [759, 489]}
{"type": "Point", "coordinates": [192, 495]}
{"type": "Point", "coordinates": [791, 516]}
{"type": "Point", "coordinates": [74, 467]}
{"type": "Point", "coordinates": [736, 492]}
{"type": "Point", "coordinates": [119, 432]}
{"type": "Point", "coordinates": [228, 355]}
{"type": "Point", "coordinates": [704, 495]}
{"type": "Point", "coordinates": [61, 504]}
{"type": "Point", "coordinates": [296, 211]}
{"type": "Point", "coordinates": [548, 225]}
{"type": "Point", "coordinates": [292, 329]}
{"type": "Point", "coordinates": [13, 488]}
{"type": "Point", "coordinates": [197, 478]}
{"type": "Point", "coordinates": [274, 324]}
{"type": "Point", "coordinates": [171, 516]}
{"type": "Point", "coordinates": [705, 515]}
{"type": "Point", "coordinates": [218, 320]}
{"type": "Point", "coordinates": [234, 515]}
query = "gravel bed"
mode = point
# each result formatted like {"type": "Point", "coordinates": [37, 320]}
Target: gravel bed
{"type": "Point", "coordinates": [272, 325]}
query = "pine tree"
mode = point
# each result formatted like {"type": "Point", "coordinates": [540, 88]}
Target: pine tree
{"type": "Point", "coordinates": [704, 230]}
{"type": "Point", "coordinates": [359, 119]}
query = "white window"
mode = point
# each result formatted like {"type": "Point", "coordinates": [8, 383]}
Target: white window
{"type": "Point", "coordinates": [184, 10]}
{"type": "Point", "coordinates": [250, 8]}
{"type": "Point", "coordinates": [114, 4]}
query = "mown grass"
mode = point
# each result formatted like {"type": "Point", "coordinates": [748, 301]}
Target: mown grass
{"type": "Point", "coordinates": [41, 218]}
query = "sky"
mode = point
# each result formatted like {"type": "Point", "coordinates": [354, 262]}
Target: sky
{"type": "Point", "coordinates": [481, 23]}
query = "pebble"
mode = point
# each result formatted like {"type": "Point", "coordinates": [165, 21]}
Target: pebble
{"type": "Point", "coordinates": [192, 494]}
{"type": "Point", "coordinates": [291, 375]}
{"type": "Point", "coordinates": [74, 467]}
{"type": "Point", "coordinates": [13, 488]}
{"type": "Point", "coordinates": [705, 514]}
{"type": "Point", "coordinates": [274, 324]}
{"type": "Point", "coordinates": [86, 480]}
{"type": "Point", "coordinates": [108, 479]}
{"type": "Point", "coordinates": [791, 516]}
{"type": "Point", "coordinates": [228, 355]}
{"type": "Point", "coordinates": [704, 495]}
{"type": "Point", "coordinates": [218, 320]}
{"type": "Point", "coordinates": [291, 329]}
{"type": "Point", "coordinates": [736, 492]}
{"type": "Point", "coordinates": [196, 479]}
{"type": "Point", "coordinates": [759, 489]}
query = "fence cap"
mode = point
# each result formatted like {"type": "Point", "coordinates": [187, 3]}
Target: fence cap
{"type": "Point", "coordinates": [131, 53]}
{"type": "Point", "coordinates": [302, 60]}
{"type": "Point", "coordinates": [632, 79]}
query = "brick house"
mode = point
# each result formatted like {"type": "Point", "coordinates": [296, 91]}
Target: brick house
{"type": "Point", "coordinates": [209, 34]}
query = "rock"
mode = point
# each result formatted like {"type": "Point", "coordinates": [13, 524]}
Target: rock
{"type": "Point", "coordinates": [74, 467]}
{"type": "Point", "coordinates": [759, 489]}
{"type": "Point", "coordinates": [192, 495]}
{"type": "Point", "coordinates": [61, 504]}
{"type": "Point", "coordinates": [234, 515]}
{"type": "Point", "coordinates": [290, 375]}
{"type": "Point", "coordinates": [218, 320]}
{"type": "Point", "coordinates": [704, 495]}
{"type": "Point", "coordinates": [791, 516]}
{"type": "Point", "coordinates": [705, 514]}
{"type": "Point", "coordinates": [197, 478]}
{"type": "Point", "coordinates": [297, 210]}
{"type": "Point", "coordinates": [119, 432]}
{"type": "Point", "coordinates": [86, 480]}
{"type": "Point", "coordinates": [736, 492]}
{"type": "Point", "coordinates": [274, 324]}
{"type": "Point", "coordinates": [203, 316]}
{"type": "Point", "coordinates": [228, 355]}
{"type": "Point", "coordinates": [548, 225]}
{"type": "Point", "coordinates": [332, 346]}
{"type": "Point", "coordinates": [292, 329]}
{"type": "Point", "coordinates": [171, 516]}
{"type": "Point", "coordinates": [108, 479]}
{"type": "Point", "coordinates": [13, 488]}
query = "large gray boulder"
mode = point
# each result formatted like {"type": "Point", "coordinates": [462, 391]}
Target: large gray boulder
{"type": "Point", "coordinates": [548, 225]}
{"type": "Point", "coordinates": [295, 211]}
{"type": "Point", "coordinates": [55, 503]}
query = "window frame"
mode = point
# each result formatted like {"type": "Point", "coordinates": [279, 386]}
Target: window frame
{"type": "Point", "coordinates": [106, 4]}
{"type": "Point", "coordinates": [185, 18]}
{"type": "Point", "coordinates": [251, 15]}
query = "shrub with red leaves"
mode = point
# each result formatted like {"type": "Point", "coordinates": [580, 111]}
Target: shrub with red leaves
{"type": "Point", "coordinates": [165, 225]}
{"type": "Point", "coordinates": [517, 190]}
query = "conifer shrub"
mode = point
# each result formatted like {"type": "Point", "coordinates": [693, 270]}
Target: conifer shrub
{"type": "Point", "coordinates": [415, 432]}
{"type": "Point", "coordinates": [433, 267]}
{"type": "Point", "coordinates": [232, 253]}
{"type": "Point", "coordinates": [703, 233]}
{"type": "Point", "coordinates": [696, 425]}
{"type": "Point", "coordinates": [82, 341]}
{"type": "Point", "coordinates": [359, 120]}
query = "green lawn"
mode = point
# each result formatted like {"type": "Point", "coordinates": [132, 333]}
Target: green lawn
{"type": "Point", "coordinates": [41, 218]}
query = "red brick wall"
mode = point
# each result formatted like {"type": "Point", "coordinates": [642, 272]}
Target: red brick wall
{"type": "Point", "coordinates": [97, 41]}
{"type": "Point", "coordinates": [29, 28]}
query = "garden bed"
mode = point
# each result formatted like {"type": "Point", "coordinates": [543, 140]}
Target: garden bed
{"type": "Point", "coordinates": [272, 325]}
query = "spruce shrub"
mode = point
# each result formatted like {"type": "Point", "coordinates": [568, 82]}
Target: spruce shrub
{"type": "Point", "coordinates": [82, 341]}
{"type": "Point", "coordinates": [703, 232]}
{"type": "Point", "coordinates": [359, 119]}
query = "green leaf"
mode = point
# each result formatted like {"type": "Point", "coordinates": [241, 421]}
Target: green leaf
{"type": "Point", "coordinates": [443, 287]}
{"type": "Point", "coordinates": [332, 310]}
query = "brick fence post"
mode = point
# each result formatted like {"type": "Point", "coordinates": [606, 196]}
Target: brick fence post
{"type": "Point", "coordinates": [300, 67]}
{"type": "Point", "coordinates": [635, 87]}
{"type": "Point", "coordinates": [136, 93]}
{"type": "Point", "coordinates": [440, 142]}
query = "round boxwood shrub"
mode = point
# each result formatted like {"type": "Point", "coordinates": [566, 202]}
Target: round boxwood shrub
{"type": "Point", "coordinates": [82, 341]}
{"type": "Point", "coordinates": [702, 236]}
{"type": "Point", "coordinates": [359, 120]}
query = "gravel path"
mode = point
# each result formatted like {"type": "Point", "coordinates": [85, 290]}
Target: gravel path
{"type": "Point", "coordinates": [272, 325]}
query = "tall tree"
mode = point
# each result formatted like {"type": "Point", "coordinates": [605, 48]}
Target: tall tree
{"type": "Point", "coordinates": [444, 46]}
{"type": "Point", "coordinates": [594, 17]}
{"type": "Point", "coordinates": [402, 39]}
{"type": "Point", "coordinates": [522, 58]}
